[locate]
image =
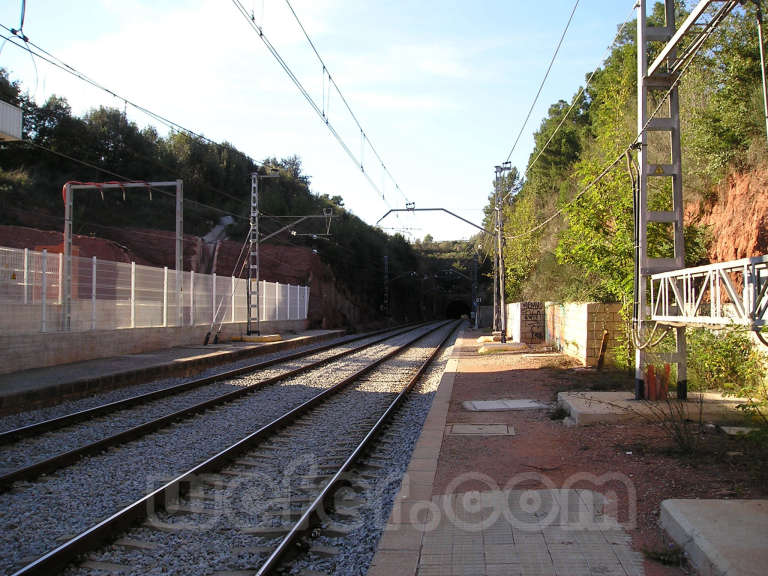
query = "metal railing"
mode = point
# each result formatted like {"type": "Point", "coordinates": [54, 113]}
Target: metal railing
{"type": "Point", "coordinates": [726, 293]}
{"type": "Point", "coordinates": [108, 295]}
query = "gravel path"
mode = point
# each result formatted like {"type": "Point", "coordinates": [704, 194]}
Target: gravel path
{"type": "Point", "coordinates": [34, 517]}
{"type": "Point", "coordinates": [34, 449]}
{"type": "Point", "coordinates": [211, 538]}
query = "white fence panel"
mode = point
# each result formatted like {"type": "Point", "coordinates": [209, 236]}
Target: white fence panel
{"type": "Point", "coordinates": [108, 295]}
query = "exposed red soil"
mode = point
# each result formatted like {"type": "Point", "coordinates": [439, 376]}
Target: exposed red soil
{"type": "Point", "coordinates": [738, 219]}
{"type": "Point", "coordinates": [330, 305]}
{"type": "Point", "coordinates": [21, 237]}
{"type": "Point", "coordinates": [556, 453]}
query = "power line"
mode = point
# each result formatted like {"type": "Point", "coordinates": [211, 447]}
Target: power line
{"type": "Point", "coordinates": [578, 95]}
{"type": "Point", "coordinates": [344, 100]}
{"type": "Point", "coordinates": [43, 54]}
{"type": "Point", "coordinates": [543, 81]}
{"type": "Point", "coordinates": [618, 158]}
{"type": "Point", "coordinates": [126, 178]}
{"type": "Point", "coordinates": [318, 110]}
{"type": "Point", "coordinates": [173, 126]}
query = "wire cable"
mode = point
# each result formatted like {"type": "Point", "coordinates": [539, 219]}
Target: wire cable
{"type": "Point", "coordinates": [171, 125]}
{"type": "Point", "coordinates": [543, 81]}
{"type": "Point", "coordinates": [576, 98]}
{"type": "Point", "coordinates": [318, 110]}
{"type": "Point", "coordinates": [618, 158]}
{"type": "Point", "coordinates": [332, 82]}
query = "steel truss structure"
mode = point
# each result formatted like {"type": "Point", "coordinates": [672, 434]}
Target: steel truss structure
{"type": "Point", "coordinates": [728, 293]}
{"type": "Point", "coordinates": [659, 208]}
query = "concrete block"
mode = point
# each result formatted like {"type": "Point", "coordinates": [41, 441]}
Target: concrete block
{"type": "Point", "coordinates": [720, 537]}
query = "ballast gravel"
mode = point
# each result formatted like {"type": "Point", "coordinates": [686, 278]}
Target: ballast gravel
{"type": "Point", "coordinates": [211, 535]}
{"type": "Point", "coordinates": [35, 449]}
{"type": "Point", "coordinates": [27, 417]}
{"type": "Point", "coordinates": [37, 516]}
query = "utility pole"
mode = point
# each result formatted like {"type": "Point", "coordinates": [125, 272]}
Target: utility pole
{"type": "Point", "coordinates": [475, 299]}
{"type": "Point", "coordinates": [500, 276]}
{"type": "Point", "coordinates": [253, 259]}
{"type": "Point", "coordinates": [759, 16]}
{"type": "Point", "coordinates": [252, 294]}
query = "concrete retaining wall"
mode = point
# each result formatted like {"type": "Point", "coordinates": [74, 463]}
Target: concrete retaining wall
{"type": "Point", "coordinates": [24, 351]}
{"type": "Point", "coordinates": [576, 329]}
{"type": "Point", "coordinates": [525, 322]}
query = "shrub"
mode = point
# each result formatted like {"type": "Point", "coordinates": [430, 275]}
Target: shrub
{"type": "Point", "coordinates": [728, 361]}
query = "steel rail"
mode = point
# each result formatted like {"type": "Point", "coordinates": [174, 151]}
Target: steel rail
{"type": "Point", "coordinates": [108, 529]}
{"type": "Point", "coordinates": [306, 520]}
{"type": "Point", "coordinates": [60, 421]}
{"type": "Point", "coordinates": [70, 457]}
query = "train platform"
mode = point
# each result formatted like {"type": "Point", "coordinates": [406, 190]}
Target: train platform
{"type": "Point", "coordinates": [508, 490]}
{"type": "Point", "coordinates": [45, 386]}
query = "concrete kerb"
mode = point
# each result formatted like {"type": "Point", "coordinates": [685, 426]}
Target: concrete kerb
{"type": "Point", "coordinates": [720, 537]}
{"type": "Point", "coordinates": [585, 408]}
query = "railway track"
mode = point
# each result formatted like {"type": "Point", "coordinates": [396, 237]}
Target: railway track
{"type": "Point", "coordinates": [198, 394]}
{"type": "Point", "coordinates": [251, 503]}
{"type": "Point", "coordinates": [99, 485]}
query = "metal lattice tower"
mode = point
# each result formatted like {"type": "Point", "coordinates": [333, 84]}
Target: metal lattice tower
{"type": "Point", "coordinates": [253, 260]}
{"type": "Point", "coordinates": [660, 198]}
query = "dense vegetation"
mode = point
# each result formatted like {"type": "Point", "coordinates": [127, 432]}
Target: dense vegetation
{"type": "Point", "coordinates": [723, 130]}
{"type": "Point", "coordinates": [104, 145]}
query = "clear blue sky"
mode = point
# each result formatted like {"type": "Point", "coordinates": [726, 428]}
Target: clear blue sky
{"type": "Point", "coordinates": [441, 88]}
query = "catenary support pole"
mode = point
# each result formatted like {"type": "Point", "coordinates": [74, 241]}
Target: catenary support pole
{"type": "Point", "coordinates": [252, 326]}
{"type": "Point", "coordinates": [658, 82]}
{"type": "Point", "coordinates": [759, 17]}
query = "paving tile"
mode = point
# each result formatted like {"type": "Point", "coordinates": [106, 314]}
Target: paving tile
{"type": "Point", "coordinates": [405, 538]}
{"type": "Point", "coordinates": [433, 569]}
{"type": "Point", "coordinates": [468, 570]}
{"type": "Point", "coordinates": [394, 563]}
{"type": "Point", "coordinates": [503, 570]}
{"type": "Point", "coordinates": [500, 554]}
{"type": "Point", "coordinates": [435, 559]}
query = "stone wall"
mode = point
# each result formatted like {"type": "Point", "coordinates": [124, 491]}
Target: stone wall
{"type": "Point", "coordinates": [25, 351]}
{"type": "Point", "coordinates": [576, 329]}
{"type": "Point", "coordinates": [525, 322]}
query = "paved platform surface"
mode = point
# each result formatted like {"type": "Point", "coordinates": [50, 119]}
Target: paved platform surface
{"type": "Point", "coordinates": [587, 408]}
{"type": "Point", "coordinates": [41, 386]}
{"type": "Point", "coordinates": [720, 537]}
{"type": "Point", "coordinates": [496, 532]}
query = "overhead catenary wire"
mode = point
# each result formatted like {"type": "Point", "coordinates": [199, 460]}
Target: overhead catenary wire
{"type": "Point", "coordinates": [543, 81]}
{"type": "Point", "coordinates": [610, 166]}
{"type": "Point", "coordinates": [307, 96]}
{"type": "Point", "coordinates": [332, 81]}
{"type": "Point", "coordinates": [46, 56]}
{"type": "Point", "coordinates": [581, 91]}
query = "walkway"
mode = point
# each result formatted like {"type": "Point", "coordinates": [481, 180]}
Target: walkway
{"type": "Point", "coordinates": [452, 515]}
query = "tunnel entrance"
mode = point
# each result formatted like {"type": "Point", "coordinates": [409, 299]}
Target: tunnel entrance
{"type": "Point", "coordinates": [457, 308]}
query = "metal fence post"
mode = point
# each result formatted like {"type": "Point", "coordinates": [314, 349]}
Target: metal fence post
{"type": "Point", "coordinates": [165, 296]}
{"type": "Point", "coordinates": [277, 301]}
{"type": "Point", "coordinates": [213, 298]}
{"type": "Point", "coordinates": [93, 293]}
{"type": "Point", "coordinates": [61, 276]}
{"type": "Point", "coordinates": [133, 294]}
{"type": "Point", "coordinates": [232, 298]}
{"type": "Point", "coordinates": [43, 290]}
{"type": "Point", "coordinates": [26, 275]}
{"type": "Point", "coordinates": [191, 297]}
{"type": "Point", "coordinates": [289, 302]}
